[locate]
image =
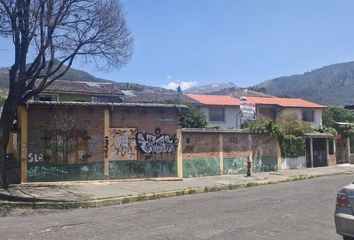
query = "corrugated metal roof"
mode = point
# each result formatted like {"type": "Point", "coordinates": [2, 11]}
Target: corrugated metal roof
{"type": "Point", "coordinates": [215, 100]}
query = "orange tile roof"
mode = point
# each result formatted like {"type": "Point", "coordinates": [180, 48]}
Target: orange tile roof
{"type": "Point", "coordinates": [215, 100]}
{"type": "Point", "coordinates": [285, 102]}
{"type": "Point", "coordinates": [220, 100]}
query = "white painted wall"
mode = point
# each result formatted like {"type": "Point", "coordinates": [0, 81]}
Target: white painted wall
{"type": "Point", "coordinates": [232, 117]}
{"type": "Point", "coordinates": [293, 163]}
{"type": "Point", "coordinates": [298, 112]}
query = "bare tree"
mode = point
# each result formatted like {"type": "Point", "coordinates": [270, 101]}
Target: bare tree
{"type": "Point", "coordinates": [47, 36]}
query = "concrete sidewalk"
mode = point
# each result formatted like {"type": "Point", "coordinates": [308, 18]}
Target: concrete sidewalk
{"type": "Point", "coordinates": [111, 192]}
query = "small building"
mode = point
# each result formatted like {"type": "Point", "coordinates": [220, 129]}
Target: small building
{"type": "Point", "coordinates": [320, 150]}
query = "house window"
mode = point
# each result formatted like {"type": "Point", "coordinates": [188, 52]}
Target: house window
{"type": "Point", "coordinates": [308, 116]}
{"type": "Point", "coordinates": [49, 98]}
{"type": "Point", "coordinates": [216, 114]}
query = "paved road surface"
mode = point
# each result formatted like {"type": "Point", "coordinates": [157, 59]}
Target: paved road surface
{"type": "Point", "coordinates": [292, 211]}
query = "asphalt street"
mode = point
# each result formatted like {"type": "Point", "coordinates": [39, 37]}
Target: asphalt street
{"type": "Point", "coordinates": [293, 210]}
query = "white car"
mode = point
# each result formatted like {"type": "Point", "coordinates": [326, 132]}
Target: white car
{"type": "Point", "coordinates": [344, 215]}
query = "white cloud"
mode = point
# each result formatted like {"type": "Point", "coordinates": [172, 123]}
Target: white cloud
{"type": "Point", "coordinates": [168, 77]}
{"type": "Point", "coordinates": [183, 84]}
{"type": "Point", "coordinates": [171, 85]}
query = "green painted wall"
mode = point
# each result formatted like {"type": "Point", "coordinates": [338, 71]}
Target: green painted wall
{"type": "Point", "coordinates": [40, 172]}
{"type": "Point", "coordinates": [235, 165]}
{"type": "Point", "coordinates": [265, 164]}
{"type": "Point", "coordinates": [74, 97]}
{"type": "Point", "coordinates": [142, 169]}
{"type": "Point", "coordinates": [201, 167]}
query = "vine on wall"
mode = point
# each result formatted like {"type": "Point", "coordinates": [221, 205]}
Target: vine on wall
{"type": "Point", "coordinates": [289, 131]}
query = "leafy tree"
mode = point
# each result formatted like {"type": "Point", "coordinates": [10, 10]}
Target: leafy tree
{"type": "Point", "coordinates": [47, 36]}
{"type": "Point", "coordinates": [289, 131]}
{"type": "Point", "coordinates": [192, 117]}
{"type": "Point", "coordinates": [332, 115]}
{"type": "Point", "coordinates": [336, 114]}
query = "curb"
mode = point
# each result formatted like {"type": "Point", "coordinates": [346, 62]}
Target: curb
{"type": "Point", "coordinates": [104, 202]}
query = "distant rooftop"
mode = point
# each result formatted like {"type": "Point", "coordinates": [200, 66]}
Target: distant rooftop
{"type": "Point", "coordinates": [284, 102]}
{"type": "Point", "coordinates": [104, 104]}
{"type": "Point", "coordinates": [152, 97]}
{"type": "Point", "coordinates": [80, 87]}
{"type": "Point", "coordinates": [215, 100]}
{"type": "Point", "coordinates": [219, 100]}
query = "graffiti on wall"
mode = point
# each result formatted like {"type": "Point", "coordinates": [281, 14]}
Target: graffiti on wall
{"type": "Point", "coordinates": [58, 147]}
{"type": "Point", "coordinates": [35, 158]}
{"type": "Point", "coordinates": [64, 121]}
{"type": "Point", "coordinates": [122, 144]}
{"type": "Point", "coordinates": [156, 144]}
{"type": "Point", "coordinates": [106, 144]}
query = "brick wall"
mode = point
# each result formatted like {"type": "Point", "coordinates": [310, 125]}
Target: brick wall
{"type": "Point", "coordinates": [226, 152]}
{"type": "Point", "coordinates": [157, 126]}
{"type": "Point", "coordinates": [68, 142]}
{"type": "Point", "coordinates": [56, 131]}
{"type": "Point", "coordinates": [153, 121]}
{"type": "Point", "coordinates": [65, 143]}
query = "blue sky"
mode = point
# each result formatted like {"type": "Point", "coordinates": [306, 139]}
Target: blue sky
{"type": "Point", "coordinates": [196, 42]}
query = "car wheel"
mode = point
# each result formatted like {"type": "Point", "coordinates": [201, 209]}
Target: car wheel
{"type": "Point", "coordinates": [347, 238]}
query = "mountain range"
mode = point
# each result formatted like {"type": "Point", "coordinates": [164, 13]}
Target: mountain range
{"type": "Point", "coordinates": [209, 88]}
{"type": "Point", "coordinates": [330, 85]}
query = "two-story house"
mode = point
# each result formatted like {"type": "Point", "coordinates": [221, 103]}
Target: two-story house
{"type": "Point", "coordinates": [224, 111]}
{"type": "Point", "coordinates": [275, 108]}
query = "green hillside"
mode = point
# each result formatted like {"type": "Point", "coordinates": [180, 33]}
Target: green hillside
{"type": "Point", "coordinates": [331, 85]}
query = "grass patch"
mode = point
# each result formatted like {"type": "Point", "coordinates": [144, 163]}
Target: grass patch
{"type": "Point", "coordinates": [191, 191]}
{"type": "Point", "coordinates": [179, 193]}
{"type": "Point", "coordinates": [252, 184]}
{"type": "Point", "coordinates": [150, 179]}
{"type": "Point", "coordinates": [231, 187]}
{"type": "Point", "coordinates": [125, 200]}
{"type": "Point", "coordinates": [275, 173]}
{"type": "Point", "coordinates": [154, 197]}
{"type": "Point", "coordinates": [141, 198]}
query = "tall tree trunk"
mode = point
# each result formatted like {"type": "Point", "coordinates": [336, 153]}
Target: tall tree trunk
{"type": "Point", "coordinates": [6, 122]}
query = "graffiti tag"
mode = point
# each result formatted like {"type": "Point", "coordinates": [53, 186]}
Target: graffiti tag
{"type": "Point", "coordinates": [123, 143]}
{"type": "Point", "coordinates": [106, 143]}
{"type": "Point", "coordinates": [151, 144]}
{"type": "Point", "coordinates": [35, 158]}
